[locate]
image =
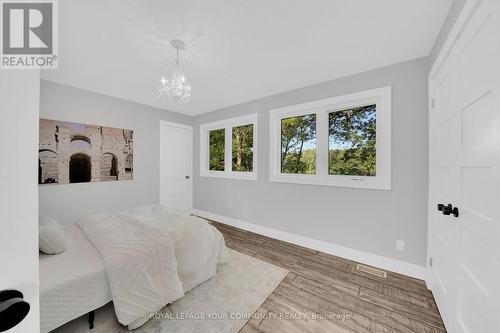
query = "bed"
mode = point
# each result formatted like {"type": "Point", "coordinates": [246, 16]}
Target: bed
{"type": "Point", "coordinates": [88, 275]}
{"type": "Point", "coordinates": [72, 283]}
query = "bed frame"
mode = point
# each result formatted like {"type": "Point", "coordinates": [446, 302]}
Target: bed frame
{"type": "Point", "coordinates": [91, 320]}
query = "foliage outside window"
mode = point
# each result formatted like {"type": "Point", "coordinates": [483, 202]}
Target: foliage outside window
{"type": "Point", "coordinates": [352, 142]}
{"type": "Point", "coordinates": [242, 149]}
{"type": "Point", "coordinates": [298, 144]}
{"type": "Point", "coordinates": [339, 141]}
{"type": "Point", "coordinates": [216, 149]}
{"type": "Point", "coordinates": [228, 148]}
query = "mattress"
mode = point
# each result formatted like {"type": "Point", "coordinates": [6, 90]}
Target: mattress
{"type": "Point", "coordinates": [72, 283]}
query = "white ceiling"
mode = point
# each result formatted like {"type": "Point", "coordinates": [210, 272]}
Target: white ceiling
{"type": "Point", "coordinates": [237, 50]}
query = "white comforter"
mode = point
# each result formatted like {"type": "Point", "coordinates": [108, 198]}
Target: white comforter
{"type": "Point", "coordinates": [153, 255]}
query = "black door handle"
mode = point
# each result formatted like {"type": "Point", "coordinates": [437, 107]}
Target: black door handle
{"type": "Point", "coordinates": [13, 309]}
{"type": "Point", "coordinates": [448, 209]}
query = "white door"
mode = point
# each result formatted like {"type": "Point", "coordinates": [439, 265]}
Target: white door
{"type": "Point", "coordinates": [464, 243]}
{"type": "Point", "coordinates": [176, 167]}
{"type": "Point", "coordinates": [19, 104]}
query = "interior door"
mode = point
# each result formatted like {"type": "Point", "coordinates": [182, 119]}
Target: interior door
{"type": "Point", "coordinates": [464, 243]}
{"type": "Point", "coordinates": [444, 189]}
{"type": "Point", "coordinates": [19, 105]}
{"type": "Point", "coordinates": [176, 152]}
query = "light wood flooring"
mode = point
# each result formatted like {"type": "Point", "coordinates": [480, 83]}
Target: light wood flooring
{"type": "Point", "coordinates": [322, 284]}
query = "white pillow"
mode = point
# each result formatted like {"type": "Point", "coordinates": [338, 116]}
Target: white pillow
{"type": "Point", "coordinates": [51, 236]}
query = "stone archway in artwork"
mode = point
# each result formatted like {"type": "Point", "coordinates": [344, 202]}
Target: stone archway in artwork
{"type": "Point", "coordinates": [108, 167]}
{"type": "Point", "coordinates": [80, 167]}
{"type": "Point", "coordinates": [47, 166]}
{"type": "Point", "coordinates": [80, 142]}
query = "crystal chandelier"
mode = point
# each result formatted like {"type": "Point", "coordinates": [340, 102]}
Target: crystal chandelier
{"type": "Point", "coordinates": [177, 87]}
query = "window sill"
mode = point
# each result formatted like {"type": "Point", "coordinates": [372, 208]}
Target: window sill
{"type": "Point", "coordinates": [371, 183]}
{"type": "Point", "coordinates": [231, 175]}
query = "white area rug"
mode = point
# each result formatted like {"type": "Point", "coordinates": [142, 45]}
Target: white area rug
{"type": "Point", "coordinates": [221, 305]}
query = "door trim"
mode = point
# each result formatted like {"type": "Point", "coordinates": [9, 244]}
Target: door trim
{"type": "Point", "coordinates": [462, 20]}
{"type": "Point", "coordinates": [190, 130]}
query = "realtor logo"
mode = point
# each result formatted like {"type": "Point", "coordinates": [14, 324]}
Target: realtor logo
{"type": "Point", "coordinates": [29, 34]}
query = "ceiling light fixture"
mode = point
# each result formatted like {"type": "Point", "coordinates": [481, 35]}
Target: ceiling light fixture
{"type": "Point", "coordinates": [177, 88]}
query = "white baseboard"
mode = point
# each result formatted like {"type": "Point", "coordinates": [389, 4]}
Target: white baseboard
{"type": "Point", "coordinates": [382, 262]}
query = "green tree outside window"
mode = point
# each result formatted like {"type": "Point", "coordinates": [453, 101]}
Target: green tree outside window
{"type": "Point", "coordinates": [216, 149]}
{"type": "Point", "coordinates": [298, 144]}
{"type": "Point", "coordinates": [352, 142]}
{"type": "Point", "coordinates": [242, 150]}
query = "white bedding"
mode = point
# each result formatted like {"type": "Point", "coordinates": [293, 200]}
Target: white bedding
{"type": "Point", "coordinates": [199, 246]}
{"type": "Point", "coordinates": [152, 256]}
{"type": "Point", "coordinates": [76, 282]}
{"type": "Point", "coordinates": [73, 283]}
{"type": "Point", "coordinates": [140, 264]}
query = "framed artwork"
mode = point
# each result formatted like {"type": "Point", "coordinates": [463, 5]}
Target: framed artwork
{"type": "Point", "coordinates": [80, 153]}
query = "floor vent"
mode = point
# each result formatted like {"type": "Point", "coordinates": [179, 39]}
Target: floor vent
{"type": "Point", "coordinates": [373, 271]}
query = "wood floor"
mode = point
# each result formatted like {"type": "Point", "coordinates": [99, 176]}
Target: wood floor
{"type": "Point", "coordinates": [322, 284]}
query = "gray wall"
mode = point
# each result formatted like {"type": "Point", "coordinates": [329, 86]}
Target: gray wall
{"type": "Point", "coordinates": [453, 14]}
{"type": "Point", "coordinates": [71, 201]}
{"type": "Point", "coordinates": [367, 220]}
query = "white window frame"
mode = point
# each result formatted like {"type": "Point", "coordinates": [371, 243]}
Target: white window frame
{"type": "Point", "coordinates": [227, 125]}
{"type": "Point", "coordinates": [382, 181]}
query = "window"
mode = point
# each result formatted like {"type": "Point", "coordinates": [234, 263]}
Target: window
{"type": "Point", "coordinates": [352, 141]}
{"type": "Point", "coordinates": [228, 148]}
{"type": "Point", "coordinates": [298, 144]}
{"type": "Point", "coordinates": [340, 141]}
{"type": "Point", "coordinates": [216, 149]}
{"type": "Point", "coordinates": [243, 148]}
